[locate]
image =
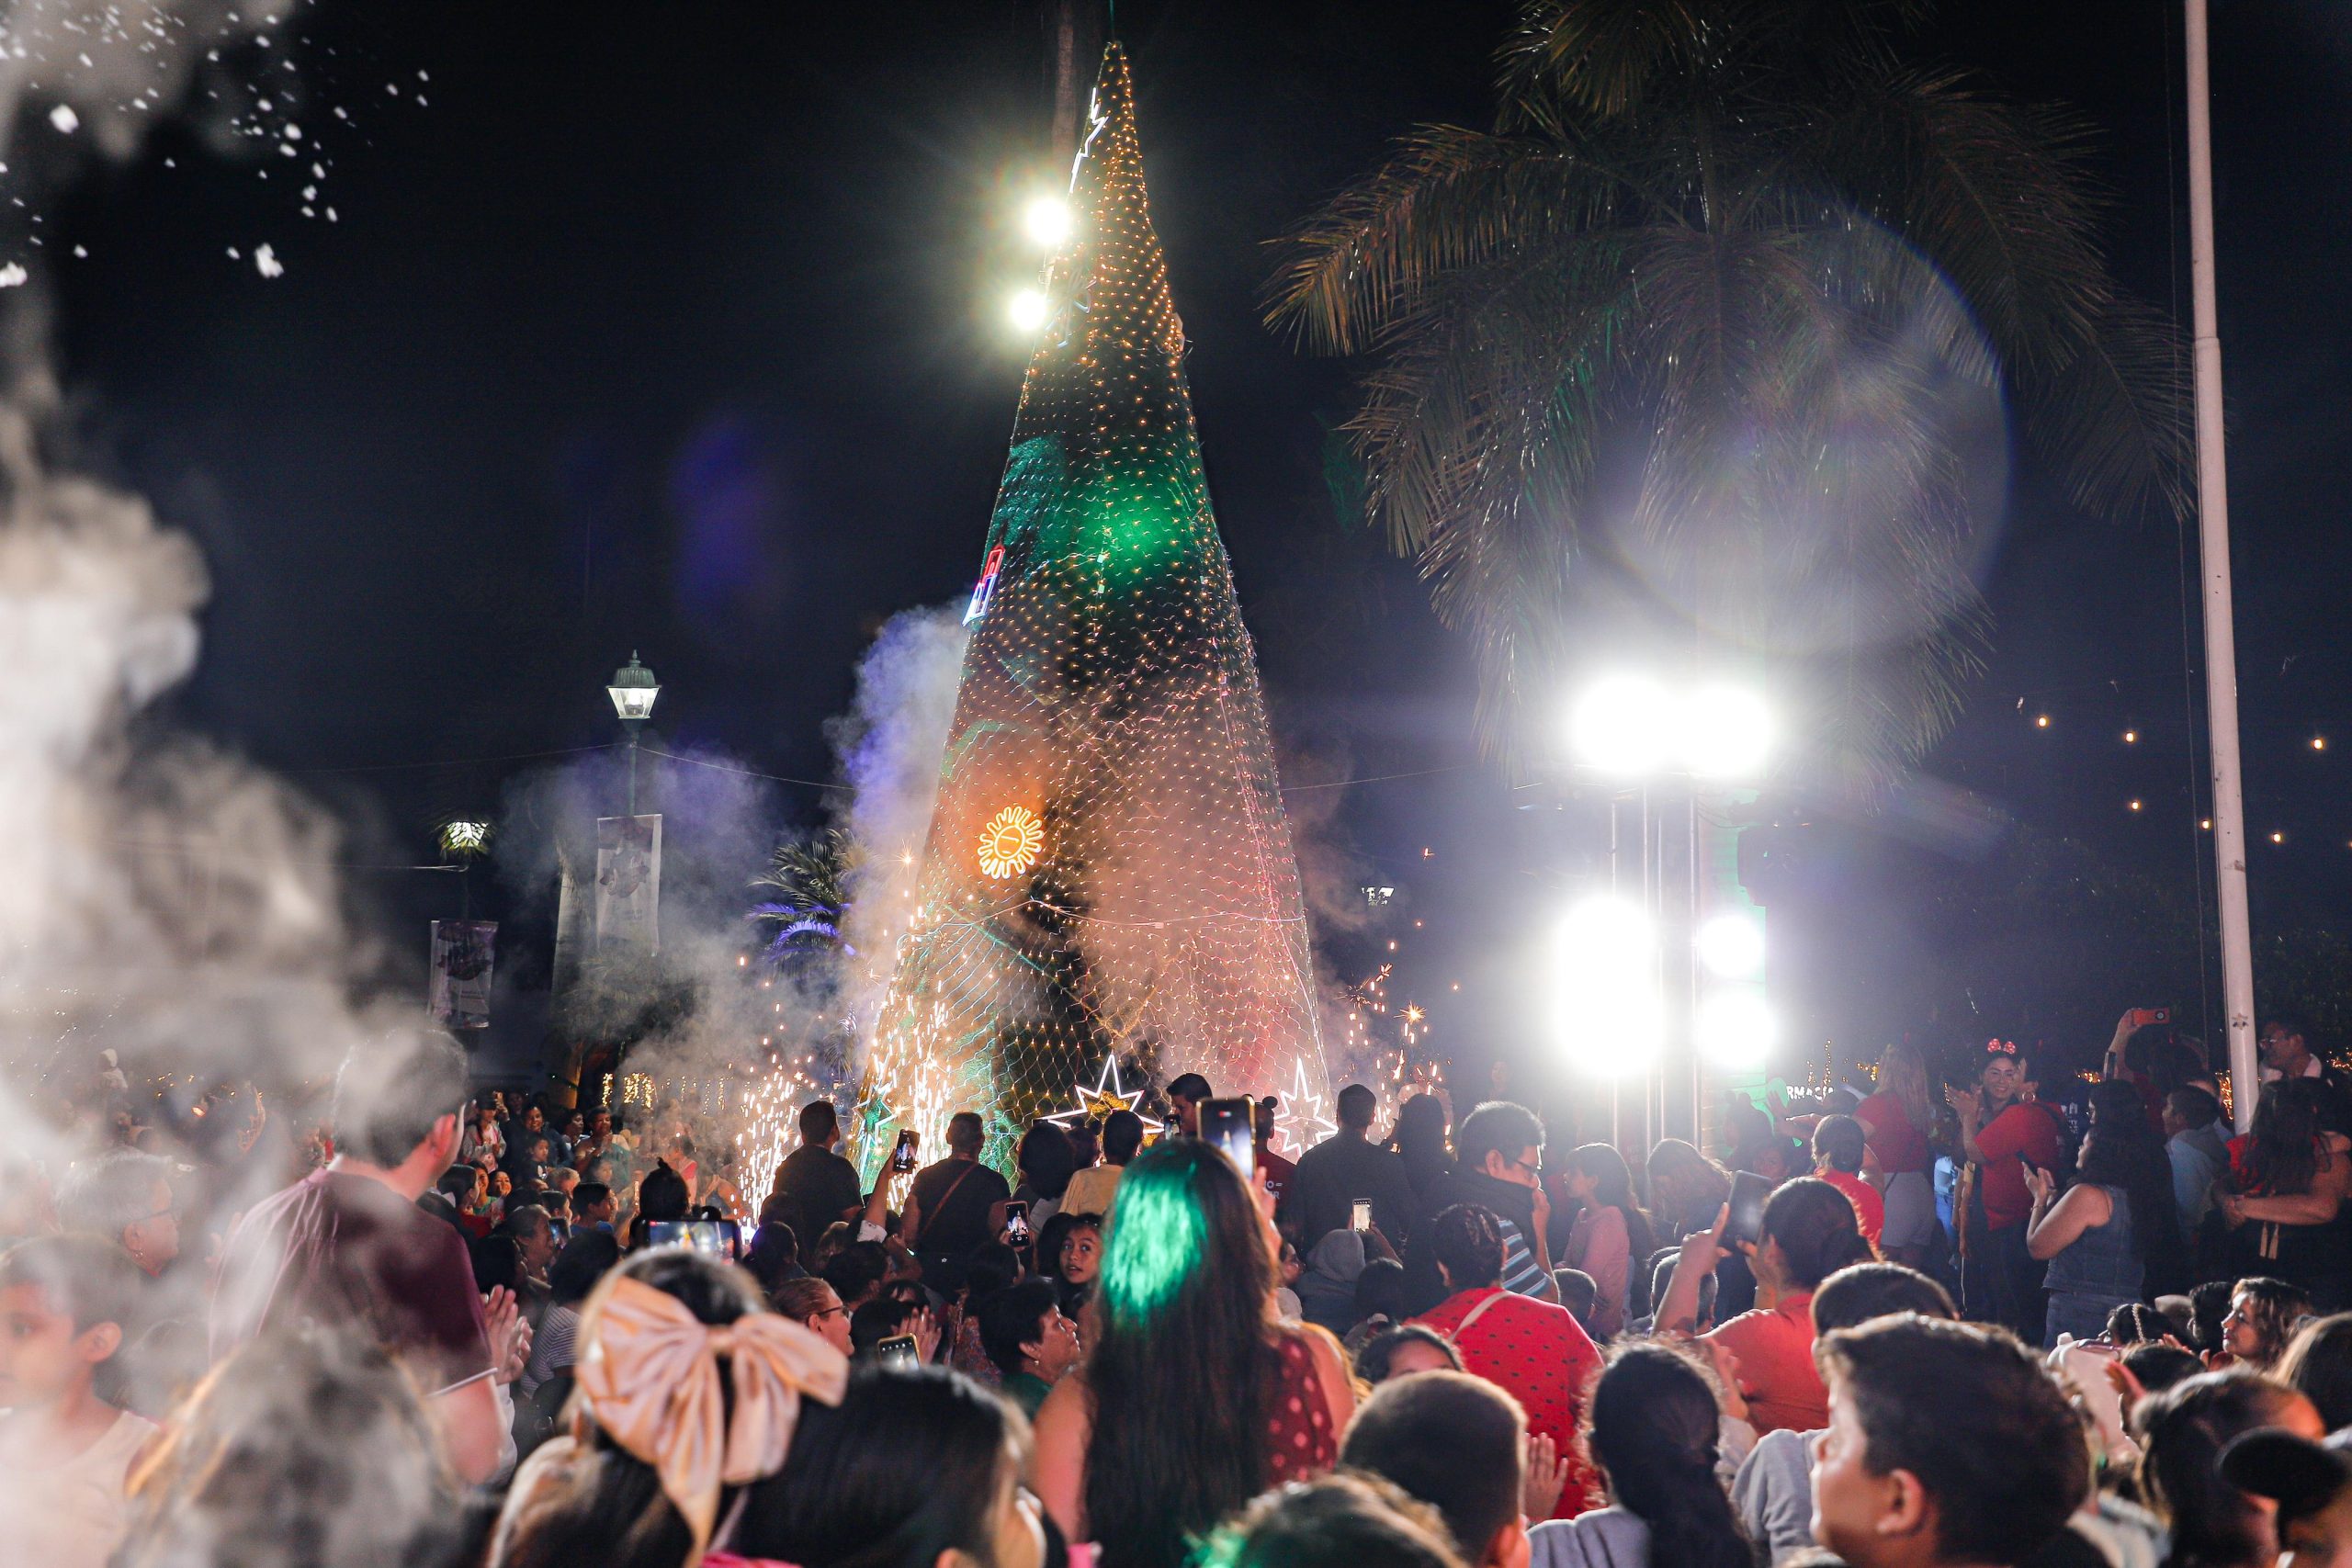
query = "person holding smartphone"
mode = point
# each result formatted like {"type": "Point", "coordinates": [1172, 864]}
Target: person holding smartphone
{"type": "Point", "coordinates": [1807, 1232]}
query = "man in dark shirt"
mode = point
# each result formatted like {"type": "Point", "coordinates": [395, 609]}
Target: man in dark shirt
{"type": "Point", "coordinates": [1342, 1168]}
{"type": "Point", "coordinates": [1500, 1147]}
{"type": "Point", "coordinates": [347, 1247]}
{"type": "Point", "coordinates": [947, 1214]}
{"type": "Point", "coordinates": [817, 1186]}
{"type": "Point", "coordinates": [1186, 1091]}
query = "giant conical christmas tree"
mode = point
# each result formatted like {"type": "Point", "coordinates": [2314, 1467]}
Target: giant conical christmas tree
{"type": "Point", "coordinates": [1109, 872]}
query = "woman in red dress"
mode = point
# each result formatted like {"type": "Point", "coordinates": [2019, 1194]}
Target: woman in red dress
{"type": "Point", "coordinates": [1193, 1398]}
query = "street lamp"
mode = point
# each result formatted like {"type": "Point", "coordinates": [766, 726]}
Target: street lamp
{"type": "Point", "coordinates": [633, 689]}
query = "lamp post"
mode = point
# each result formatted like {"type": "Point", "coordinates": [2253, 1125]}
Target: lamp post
{"type": "Point", "coordinates": [633, 689]}
{"type": "Point", "coordinates": [1640, 733]}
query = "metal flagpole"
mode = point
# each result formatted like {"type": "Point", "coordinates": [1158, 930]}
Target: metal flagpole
{"type": "Point", "coordinates": [2213, 541]}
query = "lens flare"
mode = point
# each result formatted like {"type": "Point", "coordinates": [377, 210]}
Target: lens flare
{"type": "Point", "coordinates": [1028, 309]}
{"type": "Point", "coordinates": [1046, 220]}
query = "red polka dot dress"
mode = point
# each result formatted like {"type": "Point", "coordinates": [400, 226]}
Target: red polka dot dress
{"type": "Point", "coordinates": [1300, 1443]}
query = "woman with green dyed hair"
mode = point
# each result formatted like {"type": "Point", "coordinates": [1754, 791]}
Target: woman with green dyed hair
{"type": "Point", "coordinates": [1193, 1399]}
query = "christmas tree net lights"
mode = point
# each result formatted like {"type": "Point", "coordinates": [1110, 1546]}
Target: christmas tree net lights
{"type": "Point", "coordinates": [1109, 878]}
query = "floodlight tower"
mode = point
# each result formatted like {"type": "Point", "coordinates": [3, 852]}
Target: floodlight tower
{"type": "Point", "coordinates": [1692, 997]}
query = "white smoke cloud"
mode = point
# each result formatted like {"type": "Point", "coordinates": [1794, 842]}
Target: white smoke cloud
{"type": "Point", "coordinates": [889, 746]}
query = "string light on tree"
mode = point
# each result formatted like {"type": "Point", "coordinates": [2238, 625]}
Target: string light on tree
{"type": "Point", "coordinates": [1111, 689]}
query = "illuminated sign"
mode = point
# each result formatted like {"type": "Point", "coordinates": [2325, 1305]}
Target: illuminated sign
{"type": "Point", "coordinates": [984, 589]}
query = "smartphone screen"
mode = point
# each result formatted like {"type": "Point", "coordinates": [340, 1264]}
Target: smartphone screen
{"type": "Point", "coordinates": [1360, 1216]}
{"type": "Point", "coordinates": [902, 1159]}
{"type": "Point", "coordinates": [898, 1350]}
{"type": "Point", "coordinates": [714, 1239]}
{"type": "Point", "coordinates": [1016, 1222]}
{"type": "Point", "coordinates": [1749, 1191]}
{"type": "Point", "coordinates": [1230, 1125]}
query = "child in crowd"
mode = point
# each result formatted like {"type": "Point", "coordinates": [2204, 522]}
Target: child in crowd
{"type": "Point", "coordinates": [1909, 1476]}
{"type": "Point", "coordinates": [64, 1450]}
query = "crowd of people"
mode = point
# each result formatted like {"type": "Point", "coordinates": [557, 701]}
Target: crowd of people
{"type": "Point", "coordinates": [1947, 1316]}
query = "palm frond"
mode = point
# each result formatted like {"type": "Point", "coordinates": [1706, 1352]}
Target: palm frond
{"type": "Point", "coordinates": [2114, 417]}
{"type": "Point", "coordinates": [1449, 198]}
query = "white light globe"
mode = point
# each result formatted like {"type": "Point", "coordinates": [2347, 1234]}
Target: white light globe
{"type": "Point", "coordinates": [1611, 1020]}
{"type": "Point", "coordinates": [1623, 725]}
{"type": "Point", "coordinates": [1029, 309]}
{"type": "Point", "coordinates": [1731, 946]}
{"type": "Point", "coordinates": [1046, 220]}
{"type": "Point", "coordinates": [1737, 1028]}
{"type": "Point", "coordinates": [1727, 733]}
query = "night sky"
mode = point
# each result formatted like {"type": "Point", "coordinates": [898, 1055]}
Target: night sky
{"type": "Point", "coordinates": [679, 330]}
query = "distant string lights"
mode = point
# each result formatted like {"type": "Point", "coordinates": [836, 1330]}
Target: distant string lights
{"type": "Point", "coordinates": [2314, 740]}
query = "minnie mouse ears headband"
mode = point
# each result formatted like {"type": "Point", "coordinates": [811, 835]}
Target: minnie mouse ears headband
{"type": "Point", "coordinates": [2000, 1047]}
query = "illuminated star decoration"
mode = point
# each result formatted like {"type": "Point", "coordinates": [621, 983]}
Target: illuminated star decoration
{"type": "Point", "coordinates": [1009, 844]}
{"type": "Point", "coordinates": [1107, 1095]}
{"type": "Point", "coordinates": [1299, 1118]}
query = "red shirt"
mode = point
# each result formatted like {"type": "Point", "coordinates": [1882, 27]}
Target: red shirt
{"type": "Point", "coordinates": [2021, 1135]}
{"type": "Point", "coordinates": [1899, 1146]}
{"type": "Point", "coordinates": [1536, 1353]}
{"type": "Point", "coordinates": [1279, 1172]}
{"type": "Point", "coordinates": [1300, 1443]}
{"type": "Point", "coordinates": [1776, 1366]}
{"type": "Point", "coordinates": [1869, 1208]}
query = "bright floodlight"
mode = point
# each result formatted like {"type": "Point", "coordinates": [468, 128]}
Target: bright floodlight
{"type": "Point", "coordinates": [1623, 725]}
{"type": "Point", "coordinates": [1611, 1020]}
{"type": "Point", "coordinates": [1726, 732]}
{"type": "Point", "coordinates": [1029, 309]}
{"type": "Point", "coordinates": [1046, 220]}
{"type": "Point", "coordinates": [1735, 1029]}
{"type": "Point", "coordinates": [1731, 946]}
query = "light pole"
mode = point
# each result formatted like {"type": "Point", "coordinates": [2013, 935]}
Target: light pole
{"type": "Point", "coordinates": [633, 689]}
{"type": "Point", "coordinates": [1639, 732]}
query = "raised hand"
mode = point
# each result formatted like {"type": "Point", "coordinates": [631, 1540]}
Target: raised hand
{"type": "Point", "coordinates": [1544, 1478]}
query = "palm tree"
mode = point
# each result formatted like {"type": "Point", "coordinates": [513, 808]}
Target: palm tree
{"type": "Point", "coordinates": [812, 879]}
{"type": "Point", "coordinates": [1712, 334]}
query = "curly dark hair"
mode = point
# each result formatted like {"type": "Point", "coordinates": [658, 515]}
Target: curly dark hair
{"type": "Point", "coordinates": [1468, 1241]}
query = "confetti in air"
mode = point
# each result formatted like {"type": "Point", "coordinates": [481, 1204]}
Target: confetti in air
{"type": "Point", "coordinates": [266, 262]}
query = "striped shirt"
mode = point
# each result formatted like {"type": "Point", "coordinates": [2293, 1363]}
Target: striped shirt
{"type": "Point", "coordinates": [1521, 1272]}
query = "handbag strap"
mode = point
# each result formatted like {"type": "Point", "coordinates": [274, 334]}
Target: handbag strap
{"type": "Point", "coordinates": [946, 1196]}
{"type": "Point", "coordinates": [1472, 1315]}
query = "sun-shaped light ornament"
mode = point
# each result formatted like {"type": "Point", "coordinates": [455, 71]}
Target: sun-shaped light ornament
{"type": "Point", "coordinates": [1009, 844]}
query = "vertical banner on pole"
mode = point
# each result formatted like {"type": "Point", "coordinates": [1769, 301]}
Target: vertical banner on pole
{"type": "Point", "coordinates": [628, 886]}
{"type": "Point", "coordinates": [457, 993]}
